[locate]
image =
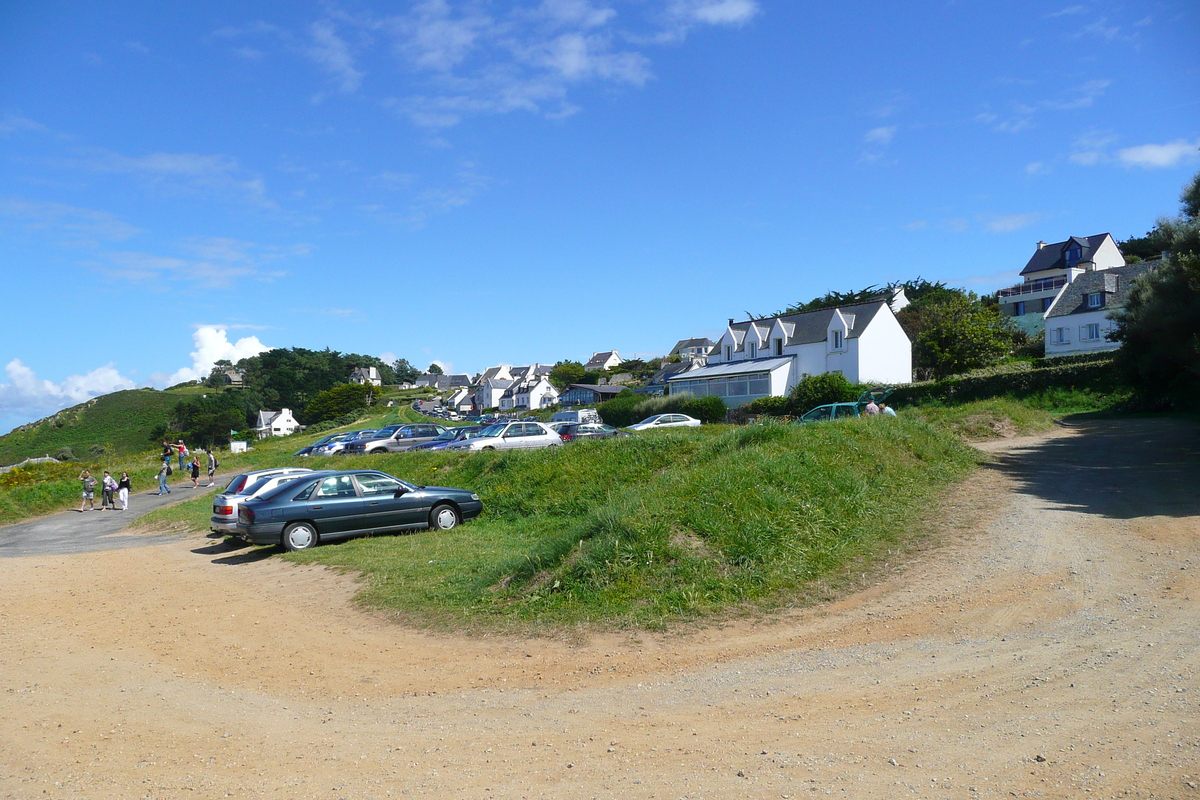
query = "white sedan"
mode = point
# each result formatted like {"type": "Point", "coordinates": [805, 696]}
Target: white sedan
{"type": "Point", "coordinates": [666, 421]}
{"type": "Point", "coordinates": [510, 436]}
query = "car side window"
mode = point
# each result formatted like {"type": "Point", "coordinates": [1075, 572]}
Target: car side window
{"type": "Point", "coordinates": [373, 485]}
{"type": "Point", "coordinates": [533, 429]}
{"type": "Point", "coordinates": [305, 492]}
{"type": "Point", "coordinates": [844, 411]}
{"type": "Point", "coordinates": [336, 486]}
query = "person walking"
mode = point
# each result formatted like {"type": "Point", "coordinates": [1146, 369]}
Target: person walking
{"type": "Point", "coordinates": [183, 453]}
{"type": "Point", "coordinates": [212, 464]}
{"type": "Point", "coordinates": [108, 485]}
{"type": "Point", "coordinates": [89, 492]}
{"type": "Point", "coordinates": [124, 487]}
{"type": "Point", "coordinates": [195, 466]}
{"type": "Point", "coordinates": [162, 478]}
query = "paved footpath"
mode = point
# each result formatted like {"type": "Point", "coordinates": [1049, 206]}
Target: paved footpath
{"type": "Point", "coordinates": [72, 532]}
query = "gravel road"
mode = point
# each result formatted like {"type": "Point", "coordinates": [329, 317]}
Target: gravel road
{"type": "Point", "coordinates": [1047, 646]}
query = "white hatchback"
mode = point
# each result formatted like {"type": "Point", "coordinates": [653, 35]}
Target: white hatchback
{"type": "Point", "coordinates": [511, 436]}
{"type": "Point", "coordinates": [666, 421]}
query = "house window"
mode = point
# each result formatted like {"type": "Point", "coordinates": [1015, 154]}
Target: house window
{"type": "Point", "coordinates": [754, 350]}
{"type": "Point", "coordinates": [837, 340]}
{"type": "Point", "coordinates": [729, 352]}
{"type": "Point", "coordinates": [1046, 303]}
{"type": "Point", "coordinates": [1019, 309]}
{"type": "Point", "coordinates": [1059, 336]}
{"type": "Point", "coordinates": [1074, 253]}
{"type": "Point", "coordinates": [1090, 333]}
{"type": "Point", "coordinates": [1095, 300]}
{"type": "Point", "coordinates": [779, 347]}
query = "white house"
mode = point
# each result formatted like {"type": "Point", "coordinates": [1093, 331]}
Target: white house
{"type": "Point", "coordinates": [460, 399]}
{"type": "Point", "coordinates": [276, 423]}
{"type": "Point", "coordinates": [692, 349]}
{"type": "Point", "coordinates": [1080, 317]}
{"type": "Point", "coordinates": [1050, 269]}
{"type": "Point", "coordinates": [605, 360]}
{"type": "Point", "coordinates": [534, 393]}
{"type": "Point", "coordinates": [767, 357]}
{"type": "Point", "coordinates": [366, 376]}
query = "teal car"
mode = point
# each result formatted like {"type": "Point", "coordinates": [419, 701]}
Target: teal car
{"type": "Point", "coordinates": [844, 410]}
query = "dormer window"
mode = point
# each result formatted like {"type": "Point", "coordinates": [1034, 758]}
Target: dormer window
{"type": "Point", "coordinates": [754, 349]}
{"type": "Point", "coordinates": [779, 347]}
{"type": "Point", "coordinates": [1074, 253]}
{"type": "Point", "coordinates": [729, 352]}
{"type": "Point", "coordinates": [837, 340]}
{"type": "Point", "coordinates": [1094, 300]}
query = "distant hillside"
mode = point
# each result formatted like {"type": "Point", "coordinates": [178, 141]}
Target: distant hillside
{"type": "Point", "coordinates": [120, 422]}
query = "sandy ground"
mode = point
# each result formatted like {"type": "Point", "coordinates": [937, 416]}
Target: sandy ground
{"type": "Point", "coordinates": [1049, 647]}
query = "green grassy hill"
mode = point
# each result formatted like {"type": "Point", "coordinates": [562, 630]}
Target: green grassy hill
{"type": "Point", "coordinates": [120, 422]}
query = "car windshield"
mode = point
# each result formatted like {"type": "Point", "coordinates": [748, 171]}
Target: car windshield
{"type": "Point", "coordinates": [236, 484]}
{"type": "Point", "coordinates": [651, 420]}
{"type": "Point", "coordinates": [448, 436]}
{"type": "Point", "coordinates": [388, 431]}
{"type": "Point", "coordinates": [258, 485]}
{"type": "Point", "coordinates": [492, 430]}
{"type": "Point", "coordinates": [468, 433]}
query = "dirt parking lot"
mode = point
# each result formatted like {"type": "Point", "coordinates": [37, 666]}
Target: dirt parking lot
{"type": "Point", "coordinates": [1049, 647]}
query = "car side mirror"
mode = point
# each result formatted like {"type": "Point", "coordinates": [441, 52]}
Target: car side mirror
{"type": "Point", "coordinates": [400, 492]}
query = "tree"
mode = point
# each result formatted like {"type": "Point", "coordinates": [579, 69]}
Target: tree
{"type": "Point", "coordinates": [338, 401]}
{"type": "Point", "coordinates": [952, 332]}
{"type": "Point", "coordinates": [404, 372]}
{"type": "Point", "coordinates": [1159, 326]}
{"type": "Point", "coordinates": [435, 369]}
{"type": "Point", "coordinates": [565, 373]}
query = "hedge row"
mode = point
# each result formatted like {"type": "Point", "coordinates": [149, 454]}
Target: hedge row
{"type": "Point", "coordinates": [1094, 374]}
{"type": "Point", "coordinates": [627, 408]}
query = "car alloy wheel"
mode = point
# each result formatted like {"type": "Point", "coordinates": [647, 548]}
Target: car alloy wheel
{"type": "Point", "coordinates": [299, 536]}
{"type": "Point", "coordinates": [443, 517]}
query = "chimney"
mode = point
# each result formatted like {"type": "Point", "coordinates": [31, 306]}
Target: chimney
{"type": "Point", "coordinates": [1041, 245]}
{"type": "Point", "coordinates": [731, 321]}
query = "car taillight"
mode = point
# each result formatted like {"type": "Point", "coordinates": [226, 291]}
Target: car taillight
{"type": "Point", "coordinates": [566, 437]}
{"type": "Point", "coordinates": [226, 510]}
{"type": "Point", "coordinates": [246, 514]}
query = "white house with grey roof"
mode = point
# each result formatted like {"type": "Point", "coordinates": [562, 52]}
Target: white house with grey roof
{"type": "Point", "coordinates": [276, 423]}
{"type": "Point", "coordinates": [606, 360]}
{"type": "Point", "coordinates": [1049, 270]}
{"type": "Point", "coordinates": [767, 357]}
{"type": "Point", "coordinates": [1080, 318]}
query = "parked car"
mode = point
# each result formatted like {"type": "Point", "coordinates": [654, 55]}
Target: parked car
{"type": "Point", "coordinates": [336, 446]}
{"type": "Point", "coordinates": [333, 437]}
{"type": "Point", "coordinates": [666, 421]}
{"type": "Point", "coordinates": [395, 438]}
{"type": "Point", "coordinates": [449, 437]}
{"type": "Point", "coordinates": [577, 415]}
{"type": "Point", "coordinates": [510, 436]}
{"type": "Point", "coordinates": [571, 431]}
{"type": "Point", "coordinates": [339, 504]}
{"type": "Point", "coordinates": [843, 410]}
{"type": "Point", "coordinates": [242, 487]}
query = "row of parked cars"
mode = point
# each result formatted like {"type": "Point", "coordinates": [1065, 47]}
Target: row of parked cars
{"type": "Point", "coordinates": [503, 434]}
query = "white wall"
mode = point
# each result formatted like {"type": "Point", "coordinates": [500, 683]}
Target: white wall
{"type": "Point", "coordinates": [884, 352]}
{"type": "Point", "coordinates": [1075, 324]}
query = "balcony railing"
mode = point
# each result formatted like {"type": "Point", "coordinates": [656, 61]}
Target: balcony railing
{"type": "Point", "coordinates": [1040, 285]}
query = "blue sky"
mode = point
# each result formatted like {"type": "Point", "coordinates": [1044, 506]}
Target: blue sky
{"type": "Point", "coordinates": [487, 182]}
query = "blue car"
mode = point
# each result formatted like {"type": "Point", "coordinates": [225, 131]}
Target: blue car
{"type": "Point", "coordinates": [323, 506]}
{"type": "Point", "coordinates": [448, 438]}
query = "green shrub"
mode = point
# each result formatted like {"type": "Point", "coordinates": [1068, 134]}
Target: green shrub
{"type": "Point", "coordinates": [771, 406]}
{"type": "Point", "coordinates": [817, 390]}
{"type": "Point", "coordinates": [629, 407]}
{"type": "Point", "coordinates": [1093, 375]}
{"type": "Point", "coordinates": [64, 454]}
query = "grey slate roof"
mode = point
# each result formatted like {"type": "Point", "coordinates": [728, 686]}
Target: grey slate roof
{"type": "Point", "coordinates": [683, 344]}
{"type": "Point", "coordinates": [810, 326]}
{"type": "Point", "coordinates": [1054, 256]}
{"type": "Point", "coordinates": [1113, 282]}
{"type": "Point", "coordinates": [591, 387]}
{"type": "Point", "coordinates": [265, 418]}
{"type": "Point", "coordinates": [667, 371]}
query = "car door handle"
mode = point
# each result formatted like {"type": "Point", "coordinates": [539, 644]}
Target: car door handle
{"type": "Point", "coordinates": [317, 508]}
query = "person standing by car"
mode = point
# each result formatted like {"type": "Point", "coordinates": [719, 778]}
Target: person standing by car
{"type": "Point", "coordinates": [871, 410]}
{"type": "Point", "coordinates": [124, 487]}
{"type": "Point", "coordinates": [108, 485]}
{"type": "Point", "coordinates": [212, 464]}
{"type": "Point", "coordinates": [195, 467]}
{"type": "Point", "coordinates": [89, 492]}
{"type": "Point", "coordinates": [162, 477]}
{"type": "Point", "coordinates": [886, 410]}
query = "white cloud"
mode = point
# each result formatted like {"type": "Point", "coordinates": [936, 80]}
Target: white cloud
{"type": "Point", "coordinates": [880, 136]}
{"type": "Point", "coordinates": [212, 344]}
{"type": "Point", "coordinates": [208, 261]}
{"type": "Point", "coordinates": [1036, 168]}
{"type": "Point", "coordinates": [1153, 156]}
{"type": "Point", "coordinates": [27, 396]}
{"type": "Point", "coordinates": [1084, 96]}
{"type": "Point", "coordinates": [11, 123]}
{"type": "Point", "coordinates": [715, 12]}
{"type": "Point", "coordinates": [1068, 11]}
{"type": "Point", "coordinates": [1091, 148]}
{"type": "Point", "coordinates": [182, 171]}
{"type": "Point", "coordinates": [77, 225]}
{"type": "Point", "coordinates": [1007, 223]}
{"type": "Point", "coordinates": [331, 52]}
